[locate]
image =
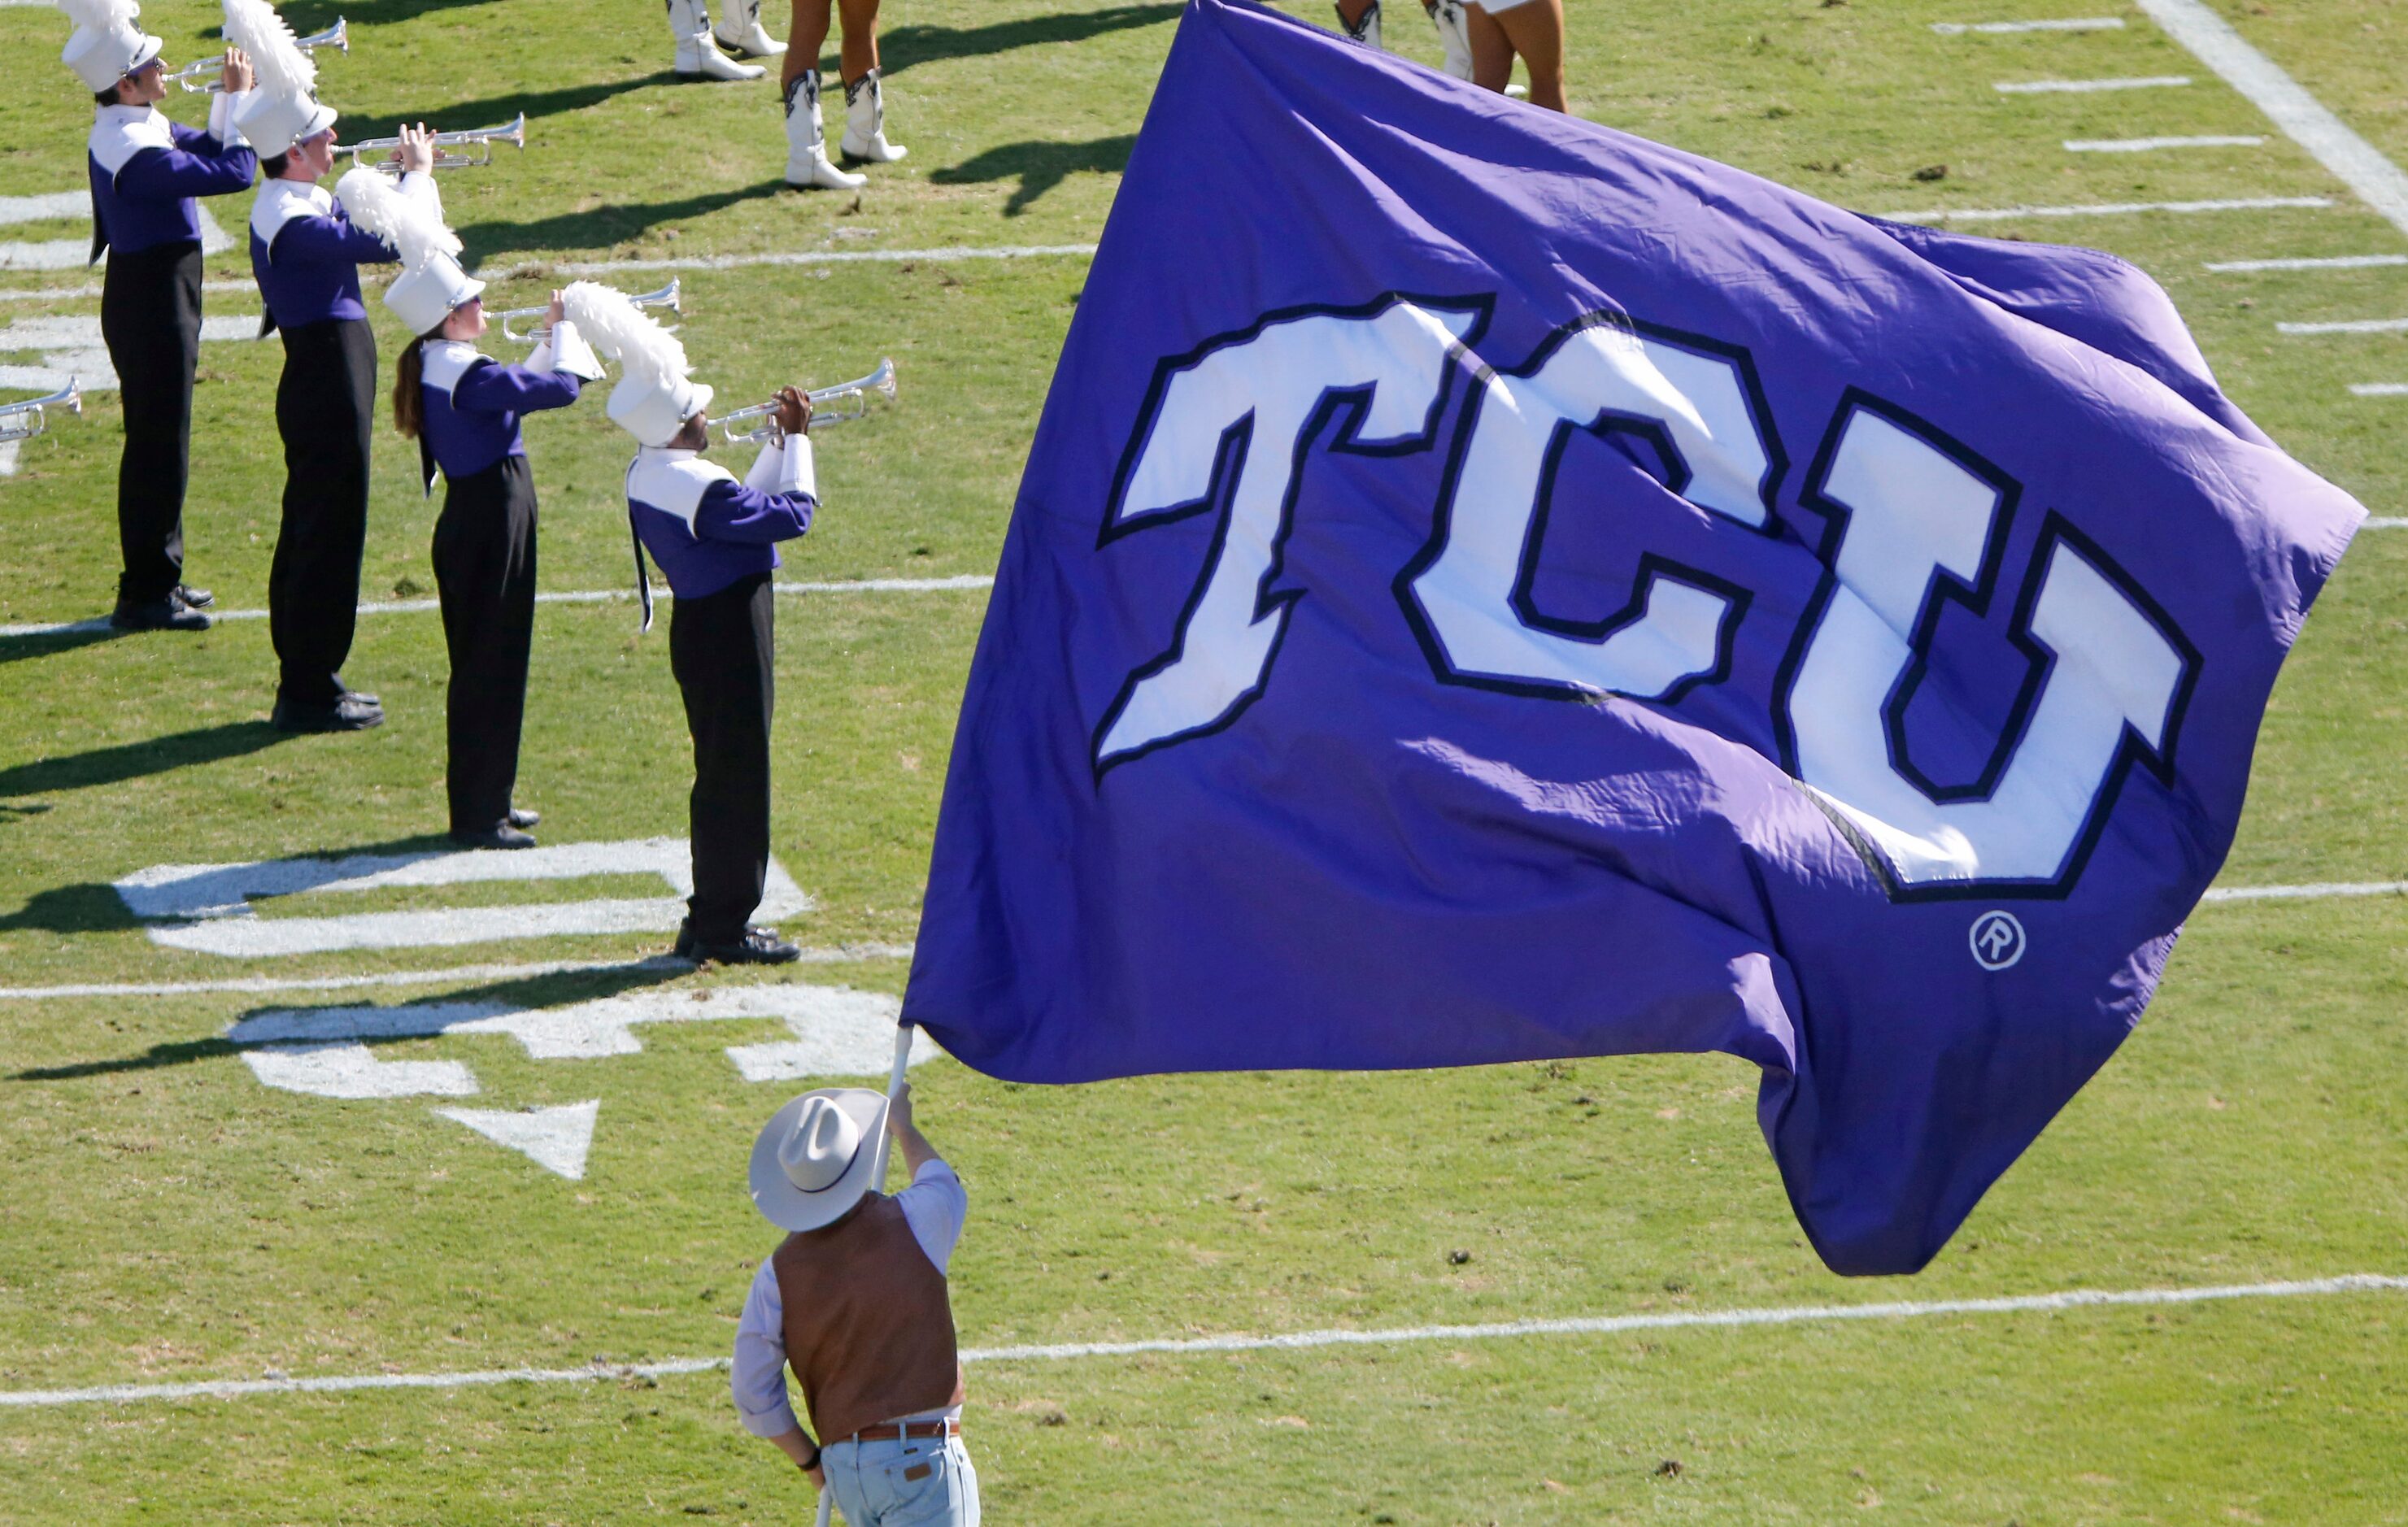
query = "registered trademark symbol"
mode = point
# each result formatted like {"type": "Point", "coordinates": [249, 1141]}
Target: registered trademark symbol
{"type": "Point", "coordinates": [1997, 940]}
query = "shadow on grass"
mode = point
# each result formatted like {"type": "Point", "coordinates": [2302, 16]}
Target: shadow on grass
{"type": "Point", "coordinates": [601, 228]}
{"type": "Point", "coordinates": [138, 760]}
{"type": "Point", "coordinates": [307, 16]}
{"type": "Point", "coordinates": [1039, 166]}
{"type": "Point", "coordinates": [495, 111]}
{"type": "Point", "coordinates": [905, 45]}
{"type": "Point", "coordinates": [49, 644]}
{"type": "Point", "coordinates": [558, 988]}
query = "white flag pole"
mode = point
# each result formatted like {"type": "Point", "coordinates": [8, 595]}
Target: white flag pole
{"type": "Point", "coordinates": [894, 1090]}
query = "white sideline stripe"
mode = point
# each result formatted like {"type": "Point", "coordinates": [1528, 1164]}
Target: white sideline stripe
{"type": "Point", "coordinates": [2079, 87]}
{"type": "Point", "coordinates": [576, 596]}
{"type": "Point", "coordinates": [8, 457]}
{"type": "Point", "coordinates": [2071, 1299]}
{"type": "Point", "coordinates": [2355, 325]}
{"type": "Point", "coordinates": [2339, 262]}
{"type": "Point", "coordinates": [2078, 24]}
{"type": "Point", "coordinates": [2103, 209]}
{"type": "Point", "coordinates": [825, 955]}
{"type": "Point", "coordinates": [807, 257]}
{"type": "Point", "coordinates": [2379, 390]}
{"type": "Point", "coordinates": [2302, 117]}
{"type": "Point", "coordinates": [2134, 146]}
{"type": "Point", "coordinates": [2302, 892]}
{"type": "Point", "coordinates": [2381, 523]}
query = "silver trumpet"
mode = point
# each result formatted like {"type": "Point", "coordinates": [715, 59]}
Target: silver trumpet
{"type": "Point", "coordinates": [24, 421]}
{"type": "Point", "coordinates": [513, 132]}
{"type": "Point", "coordinates": [668, 297]}
{"type": "Point", "coordinates": [206, 74]}
{"type": "Point", "coordinates": [860, 395]}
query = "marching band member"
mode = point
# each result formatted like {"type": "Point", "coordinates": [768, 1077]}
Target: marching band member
{"type": "Point", "coordinates": [698, 42]}
{"type": "Point", "coordinates": [1360, 21]}
{"type": "Point", "coordinates": [306, 255]}
{"type": "Point", "coordinates": [463, 409]}
{"type": "Point", "coordinates": [865, 96]}
{"type": "Point", "coordinates": [146, 172]}
{"type": "Point", "coordinates": [715, 539]}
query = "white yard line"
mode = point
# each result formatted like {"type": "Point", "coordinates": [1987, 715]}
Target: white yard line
{"type": "Point", "coordinates": [2077, 23]}
{"type": "Point", "coordinates": [2136, 146]}
{"type": "Point", "coordinates": [2106, 209]}
{"type": "Point", "coordinates": [835, 954]}
{"type": "Point", "coordinates": [2339, 262]}
{"type": "Point", "coordinates": [2304, 892]}
{"type": "Point", "coordinates": [2379, 390]}
{"type": "Point", "coordinates": [63, 294]}
{"type": "Point", "coordinates": [2354, 325]}
{"type": "Point", "coordinates": [2083, 87]}
{"type": "Point", "coordinates": [1600, 1325]}
{"type": "Point", "coordinates": [578, 596]}
{"type": "Point", "coordinates": [2360, 166]}
{"type": "Point", "coordinates": [2380, 522]}
{"type": "Point", "coordinates": [801, 257]}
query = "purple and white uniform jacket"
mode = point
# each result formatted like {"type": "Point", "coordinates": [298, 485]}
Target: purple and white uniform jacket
{"type": "Point", "coordinates": [471, 404]}
{"type": "Point", "coordinates": [705, 528]}
{"type": "Point", "coordinates": [147, 171]}
{"type": "Point", "coordinates": [307, 256]}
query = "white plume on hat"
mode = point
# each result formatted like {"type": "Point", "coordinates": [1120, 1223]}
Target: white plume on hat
{"type": "Point", "coordinates": [654, 398]}
{"type": "Point", "coordinates": [283, 69]}
{"type": "Point", "coordinates": [625, 333]}
{"type": "Point", "coordinates": [410, 223]}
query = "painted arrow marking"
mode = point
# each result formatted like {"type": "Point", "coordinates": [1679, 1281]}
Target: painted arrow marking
{"type": "Point", "coordinates": [556, 1139]}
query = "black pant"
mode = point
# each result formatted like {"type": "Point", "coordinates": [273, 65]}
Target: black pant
{"type": "Point", "coordinates": [721, 649]}
{"type": "Point", "coordinates": [325, 407]}
{"type": "Point", "coordinates": [150, 317]}
{"type": "Point", "coordinates": [484, 574]}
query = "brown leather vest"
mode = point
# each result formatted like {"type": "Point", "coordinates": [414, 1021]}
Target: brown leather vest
{"type": "Point", "coordinates": [869, 1330]}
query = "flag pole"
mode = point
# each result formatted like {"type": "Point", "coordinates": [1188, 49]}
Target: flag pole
{"type": "Point", "coordinates": [894, 1090]}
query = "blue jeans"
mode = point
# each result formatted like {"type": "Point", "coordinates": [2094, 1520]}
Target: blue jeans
{"type": "Point", "coordinates": [925, 1482]}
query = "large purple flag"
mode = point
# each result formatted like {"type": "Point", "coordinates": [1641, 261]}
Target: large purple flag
{"type": "Point", "coordinates": [1487, 587]}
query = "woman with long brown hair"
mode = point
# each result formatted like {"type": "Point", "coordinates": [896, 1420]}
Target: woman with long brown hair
{"type": "Point", "coordinates": [463, 408]}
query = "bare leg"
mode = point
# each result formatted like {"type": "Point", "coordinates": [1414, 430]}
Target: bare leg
{"type": "Point", "coordinates": [1534, 29]}
{"type": "Point", "coordinates": [1492, 56]}
{"type": "Point", "coordinates": [860, 18]}
{"type": "Point", "coordinates": [806, 37]}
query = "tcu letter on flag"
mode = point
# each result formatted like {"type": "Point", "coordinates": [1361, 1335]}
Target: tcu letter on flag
{"type": "Point", "coordinates": [1489, 588]}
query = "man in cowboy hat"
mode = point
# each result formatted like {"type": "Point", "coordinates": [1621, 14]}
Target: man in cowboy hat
{"type": "Point", "coordinates": [146, 173]}
{"type": "Point", "coordinates": [855, 1301]}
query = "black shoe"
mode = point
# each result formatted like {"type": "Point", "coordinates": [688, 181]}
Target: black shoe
{"type": "Point", "coordinates": [759, 946]}
{"type": "Point", "coordinates": [350, 713]}
{"type": "Point", "coordinates": [363, 696]}
{"type": "Point", "coordinates": [165, 613]}
{"type": "Point", "coordinates": [523, 819]}
{"type": "Point", "coordinates": [500, 836]}
{"type": "Point", "coordinates": [197, 598]}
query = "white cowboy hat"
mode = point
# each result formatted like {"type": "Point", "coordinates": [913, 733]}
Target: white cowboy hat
{"type": "Point", "coordinates": [812, 1161]}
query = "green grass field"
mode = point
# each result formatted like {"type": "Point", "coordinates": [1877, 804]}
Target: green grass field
{"type": "Point", "coordinates": [166, 1218]}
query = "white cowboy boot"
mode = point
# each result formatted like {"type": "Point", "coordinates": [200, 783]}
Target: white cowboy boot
{"type": "Point", "coordinates": [697, 55]}
{"type": "Point", "coordinates": [739, 31]}
{"type": "Point", "coordinates": [1452, 35]}
{"type": "Point", "coordinates": [865, 121]}
{"type": "Point", "coordinates": [807, 160]}
{"type": "Point", "coordinates": [1365, 30]}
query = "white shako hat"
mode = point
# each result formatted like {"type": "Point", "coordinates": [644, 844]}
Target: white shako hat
{"type": "Point", "coordinates": [107, 43]}
{"type": "Point", "coordinates": [410, 222]}
{"type": "Point", "coordinates": [284, 108]}
{"type": "Point", "coordinates": [654, 398]}
{"type": "Point", "coordinates": [814, 1158]}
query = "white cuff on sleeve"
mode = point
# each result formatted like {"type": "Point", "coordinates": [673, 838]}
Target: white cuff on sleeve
{"type": "Point", "coordinates": [792, 472]}
{"type": "Point", "coordinates": [223, 108]}
{"type": "Point", "coordinates": [567, 351]}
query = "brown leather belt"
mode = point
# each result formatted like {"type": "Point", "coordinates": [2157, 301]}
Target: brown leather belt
{"type": "Point", "coordinates": [904, 1432]}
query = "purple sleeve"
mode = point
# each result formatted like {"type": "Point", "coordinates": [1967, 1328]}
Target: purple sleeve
{"type": "Point", "coordinates": [729, 511]}
{"type": "Point", "coordinates": [493, 388]}
{"type": "Point", "coordinates": [328, 239]}
{"type": "Point", "coordinates": [168, 175]}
